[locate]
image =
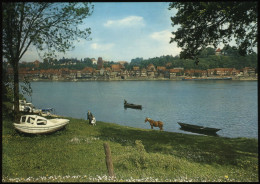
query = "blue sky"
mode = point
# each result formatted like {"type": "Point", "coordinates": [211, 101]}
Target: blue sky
{"type": "Point", "coordinates": [122, 31]}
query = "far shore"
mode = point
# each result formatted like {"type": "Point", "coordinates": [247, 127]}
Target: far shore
{"type": "Point", "coordinates": [133, 79]}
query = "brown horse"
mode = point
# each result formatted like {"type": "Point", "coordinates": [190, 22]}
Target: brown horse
{"type": "Point", "coordinates": [154, 123]}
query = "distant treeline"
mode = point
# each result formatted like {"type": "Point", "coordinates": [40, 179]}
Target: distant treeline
{"type": "Point", "coordinates": [229, 58]}
{"type": "Point", "coordinates": [211, 61]}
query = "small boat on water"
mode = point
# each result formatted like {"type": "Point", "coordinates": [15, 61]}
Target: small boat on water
{"type": "Point", "coordinates": [34, 124]}
{"type": "Point", "coordinates": [198, 129]}
{"type": "Point", "coordinates": [130, 105]}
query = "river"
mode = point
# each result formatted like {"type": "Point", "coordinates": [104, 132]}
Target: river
{"type": "Point", "coordinates": [229, 105]}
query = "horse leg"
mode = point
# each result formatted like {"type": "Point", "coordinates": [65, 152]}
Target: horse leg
{"type": "Point", "coordinates": [151, 125]}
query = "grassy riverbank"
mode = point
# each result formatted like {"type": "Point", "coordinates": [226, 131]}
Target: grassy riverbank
{"type": "Point", "coordinates": [76, 153]}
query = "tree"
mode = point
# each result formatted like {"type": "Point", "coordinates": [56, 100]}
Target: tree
{"type": "Point", "coordinates": [205, 24]}
{"type": "Point", "coordinates": [136, 61]}
{"type": "Point", "coordinates": [230, 51]}
{"type": "Point", "coordinates": [26, 88]}
{"type": "Point", "coordinates": [6, 91]}
{"type": "Point", "coordinates": [52, 27]}
{"type": "Point", "coordinates": [207, 51]}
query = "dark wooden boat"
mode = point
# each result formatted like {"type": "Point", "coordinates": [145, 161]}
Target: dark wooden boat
{"type": "Point", "coordinates": [130, 105]}
{"type": "Point", "coordinates": [198, 129]}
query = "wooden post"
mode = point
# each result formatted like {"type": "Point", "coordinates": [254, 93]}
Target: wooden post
{"type": "Point", "coordinates": [109, 162]}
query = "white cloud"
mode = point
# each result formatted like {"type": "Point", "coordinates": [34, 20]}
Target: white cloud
{"type": "Point", "coordinates": [102, 47]}
{"type": "Point", "coordinates": [163, 36]}
{"type": "Point", "coordinates": [127, 21]}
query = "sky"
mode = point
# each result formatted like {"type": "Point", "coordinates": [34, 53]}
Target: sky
{"type": "Point", "coordinates": [122, 31]}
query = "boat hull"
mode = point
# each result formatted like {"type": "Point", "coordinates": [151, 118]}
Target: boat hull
{"type": "Point", "coordinates": [39, 130]}
{"type": "Point", "coordinates": [133, 106]}
{"type": "Point", "coordinates": [198, 129]}
{"type": "Point", "coordinates": [53, 125]}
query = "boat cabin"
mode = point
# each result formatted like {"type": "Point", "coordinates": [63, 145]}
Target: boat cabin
{"type": "Point", "coordinates": [33, 119]}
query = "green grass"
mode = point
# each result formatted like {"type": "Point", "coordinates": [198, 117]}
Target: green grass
{"type": "Point", "coordinates": [76, 153]}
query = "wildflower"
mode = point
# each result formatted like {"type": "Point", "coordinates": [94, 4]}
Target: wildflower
{"type": "Point", "coordinates": [226, 176]}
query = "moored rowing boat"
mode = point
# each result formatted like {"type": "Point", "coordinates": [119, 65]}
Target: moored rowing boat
{"type": "Point", "coordinates": [198, 129]}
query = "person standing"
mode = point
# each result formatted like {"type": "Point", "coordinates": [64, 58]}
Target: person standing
{"type": "Point", "coordinates": [93, 122]}
{"type": "Point", "coordinates": [90, 117]}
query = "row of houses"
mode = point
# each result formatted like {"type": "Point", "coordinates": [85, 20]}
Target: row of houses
{"type": "Point", "coordinates": [119, 71]}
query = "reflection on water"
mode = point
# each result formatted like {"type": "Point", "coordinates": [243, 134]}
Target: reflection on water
{"type": "Point", "coordinates": [228, 105]}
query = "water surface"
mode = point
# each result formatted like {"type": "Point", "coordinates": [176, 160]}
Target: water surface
{"type": "Point", "coordinates": [229, 105]}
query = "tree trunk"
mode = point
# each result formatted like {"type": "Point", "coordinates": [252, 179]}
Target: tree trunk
{"type": "Point", "coordinates": [16, 92]}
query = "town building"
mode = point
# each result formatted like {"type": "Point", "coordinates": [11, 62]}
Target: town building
{"type": "Point", "coordinates": [100, 63]}
{"type": "Point", "coordinates": [151, 67]}
{"type": "Point", "coordinates": [122, 62]}
{"type": "Point", "coordinates": [36, 63]}
{"type": "Point", "coordinates": [249, 71]}
{"type": "Point", "coordinates": [218, 52]}
{"type": "Point", "coordinates": [175, 72]}
{"type": "Point", "coordinates": [94, 61]}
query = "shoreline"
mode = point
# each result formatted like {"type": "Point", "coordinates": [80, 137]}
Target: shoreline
{"type": "Point", "coordinates": [134, 79]}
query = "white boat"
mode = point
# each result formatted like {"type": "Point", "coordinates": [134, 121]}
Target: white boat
{"type": "Point", "coordinates": [35, 124]}
{"type": "Point", "coordinates": [31, 108]}
{"type": "Point", "coordinates": [27, 107]}
{"type": "Point", "coordinates": [48, 112]}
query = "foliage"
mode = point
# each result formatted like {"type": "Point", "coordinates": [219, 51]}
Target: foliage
{"type": "Point", "coordinates": [228, 59]}
{"type": "Point", "coordinates": [6, 91]}
{"type": "Point", "coordinates": [205, 24]}
{"type": "Point", "coordinates": [207, 52]}
{"type": "Point", "coordinates": [26, 88]}
{"type": "Point", "coordinates": [207, 59]}
{"type": "Point", "coordinates": [50, 27]}
{"type": "Point", "coordinates": [136, 61]}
